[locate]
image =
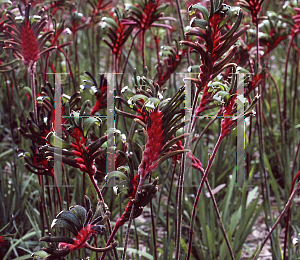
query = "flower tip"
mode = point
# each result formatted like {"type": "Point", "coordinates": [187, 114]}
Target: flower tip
{"type": "Point", "coordinates": [295, 241]}
{"type": "Point", "coordinates": [257, 97]}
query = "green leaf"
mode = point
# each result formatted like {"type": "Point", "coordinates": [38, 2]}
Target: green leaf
{"type": "Point", "coordinates": [81, 113]}
{"type": "Point", "coordinates": [124, 185]}
{"type": "Point", "coordinates": [88, 123]}
{"type": "Point", "coordinates": [55, 141]}
{"type": "Point", "coordinates": [133, 250]}
{"type": "Point", "coordinates": [211, 244]}
{"type": "Point", "coordinates": [160, 9]}
{"type": "Point", "coordinates": [109, 21]}
{"type": "Point", "coordinates": [201, 9]}
{"type": "Point", "coordinates": [6, 153]}
{"type": "Point", "coordinates": [79, 212]}
{"type": "Point", "coordinates": [135, 98]}
{"type": "Point", "coordinates": [199, 23]}
{"type": "Point", "coordinates": [117, 174]}
{"type": "Point", "coordinates": [61, 223]}
{"type": "Point", "coordinates": [21, 240]}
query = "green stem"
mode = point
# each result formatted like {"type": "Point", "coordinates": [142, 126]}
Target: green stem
{"type": "Point", "coordinates": [100, 197]}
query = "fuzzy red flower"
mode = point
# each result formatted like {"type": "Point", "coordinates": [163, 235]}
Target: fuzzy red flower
{"type": "Point", "coordinates": [296, 27]}
{"type": "Point", "coordinates": [144, 15]}
{"type": "Point", "coordinates": [216, 43]}
{"type": "Point", "coordinates": [26, 43]}
{"type": "Point", "coordinates": [254, 6]}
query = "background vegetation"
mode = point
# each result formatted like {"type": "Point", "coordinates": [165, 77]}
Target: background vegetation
{"type": "Point", "coordinates": [111, 36]}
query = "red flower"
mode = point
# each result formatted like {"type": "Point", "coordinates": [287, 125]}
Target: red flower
{"type": "Point", "coordinates": [118, 33]}
{"type": "Point", "coordinates": [79, 221]}
{"type": "Point", "coordinates": [253, 84]}
{"type": "Point", "coordinates": [144, 15]}
{"type": "Point", "coordinates": [3, 242]}
{"type": "Point", "coordinates": [172, 61]}
{"type": "Point", "coordinates": [228, 123]}
{"type": "Point", "coordinates": [216, 44]}
{"type": "Point", "coordinates": [254, 6]}
{"type": "Point", "coordinates": [205, 99]}
{"type": "Point", "coordinates": [296, 27]}
{"type": "Point", "coordinates": [26, 43]}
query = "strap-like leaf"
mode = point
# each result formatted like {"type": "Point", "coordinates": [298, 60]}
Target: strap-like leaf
{"type": "Point", "coordinates": [58, 239]}
{"type": "Point", "coordinates": [173, 141]}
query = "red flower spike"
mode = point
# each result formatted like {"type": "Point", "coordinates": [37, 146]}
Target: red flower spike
{"type": "Point", "coordinates": [171, 62]}
{"type": "Point", "coordinates": [100, 91]}
{"type": "Point", "coordinates": [25, 41]}
{"type": "Point", "coordinates": [254, 6]}
{"type": "Point", "coordinates": [296, 27]}
{"type": "Point", "coordinates": [205, 99]}
{"type": "Point", "coordinates": [216, 44]}
{"type": "Point", "coordinates": [118, 33]}
{"type": "Point", "coordinates": [228, 123]}
{"type": "Point", "coordinates": [144, 14]}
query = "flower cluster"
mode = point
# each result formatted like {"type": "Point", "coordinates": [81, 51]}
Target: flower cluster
{"type": "Point", "coordinates": [216, 44]}
{"type": "Point", "coordinates": [296, 27]}
{"type": "Point", "coordinates": [100, 91]}
{"type": "Point", "coordinates": [254, 6]}
{"type": "Point", "coordinates": [172, 59]}
{"type": "Point", "coordinates": [24, 32]}
{"type": "Point", "coordinates": [118, 32]}
{"type": "Point", "coordinates": [145, 14]}
{"type": "Point", "coordinates": [78, 221]}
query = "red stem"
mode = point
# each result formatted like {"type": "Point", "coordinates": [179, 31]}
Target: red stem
{"type": "Point", "coordinates": [288, 218]}
{"type": "Point", "coordinates": [101, 199]}
{"type": "Point", "coordinates": [287, 206]}
{"type": "Point", "coordinates": [143, 46]}
{"type": "Point", "coordinates": [31, 71]}
{"type": "Point", "coordinates": [193, 216]}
